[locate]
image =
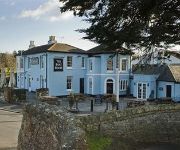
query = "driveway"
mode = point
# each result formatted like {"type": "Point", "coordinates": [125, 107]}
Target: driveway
{"type": "Point", "coordinates": [10, 123]}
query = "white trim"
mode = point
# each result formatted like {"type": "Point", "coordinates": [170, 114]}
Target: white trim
{"type": "Point", "coordinates": [110, 71]}
{"type": "Point", "coordinates": [142, 90]}
{"type": "Point", "coordinates": [121, 65]}
{"type": "Point", "coordinates": [69, 68]}
{"type": "Point", "coordinates": [92, 90]}
{"type": "Point", "coordinates": [126, 85]}
{"type": "Point", "coordinates": [105, 84]}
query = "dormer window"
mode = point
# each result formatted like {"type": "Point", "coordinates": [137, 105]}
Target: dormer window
{"type": "Point", "coordinates": [124, 65]}
{"type": "Point", "coordinates": [110, 64]}
{"type": "Point", "coordinates": [69, 61]}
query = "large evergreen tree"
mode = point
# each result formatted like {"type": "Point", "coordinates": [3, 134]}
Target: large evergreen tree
{"type": "Point", "coordinates": [135, 22]}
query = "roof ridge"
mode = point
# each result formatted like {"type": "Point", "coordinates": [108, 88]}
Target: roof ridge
{"type": "Point", "coordinates": [52, 46]}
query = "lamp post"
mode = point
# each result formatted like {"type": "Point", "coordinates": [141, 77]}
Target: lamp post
{"type": "Point", "coordinates": [117, 79]}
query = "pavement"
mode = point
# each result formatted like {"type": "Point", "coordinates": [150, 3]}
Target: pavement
{"type": "Point", "coordinates": [10, 123]}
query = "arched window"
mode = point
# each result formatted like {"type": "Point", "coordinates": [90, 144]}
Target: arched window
{"type": "Point", "coordinates": [109, 86]}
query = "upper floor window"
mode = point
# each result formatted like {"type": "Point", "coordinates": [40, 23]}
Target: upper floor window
{"type": "Point", "coordinates": [69, 61]}
{"type": "Point", "coordinates": [124, 65]}
{"type": "Point", "coordinates": [123, 84]}
{"type": "Point", "coordinates": [29, 62]}
{"type": "Point", "coordinates": [110, 64]}
{"type": "Point", "coordinates": [69, 82]}
{"type": "Point", "coordinates": [90, 65]}
{"type": "Point", "coordinates": [21, 63]}
{"type": "Point", "coordinates": [41, 62]}
{"type": "Point", "coordinates": [83, 62]}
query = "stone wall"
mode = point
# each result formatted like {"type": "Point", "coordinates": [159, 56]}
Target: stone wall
{"type": "Point", "coordinates": [152, 123]}
{"type": "Point", "coordinates": [47, 127]}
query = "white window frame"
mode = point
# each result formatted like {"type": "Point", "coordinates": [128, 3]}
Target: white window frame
{"type": "Point", "coordinates": [41, 62]}
{"type": "Point", "coordinates": [90, 65]}
{"type": "Point", "coordinates": [29, 63]}
{"type": "Point", "coordinates": [68, 61]}
{"type": "Point", "coordinates": [90, 90]}
{"type": "Point", "coordinates": [142, 90]}
{"type": "Point", "coordinates": [123, 85]}
{"type": "Point", "coordinates": [83, 62]}
{"type": "Point", "coordinates": [21, 63]}
{"type": "Point", "coordinates": [122, 64]}
{"type": "Point", "coordinates": [70, 77]}
{"type": "Point", "coordinates": [108, 66]}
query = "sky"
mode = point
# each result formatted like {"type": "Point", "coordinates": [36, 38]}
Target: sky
{"type": "Point", "coordinates": [36, 20]}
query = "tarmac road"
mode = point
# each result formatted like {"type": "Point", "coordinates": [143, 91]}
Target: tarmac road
{"type": "Point", "coordinates": [10, 123]}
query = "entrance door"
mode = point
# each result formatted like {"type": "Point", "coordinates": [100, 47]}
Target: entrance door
{"type": "Point", "coordinates": [109, 86]}
{"type": "Point", "coordinates": [168, 90]}
{"type": "Point", "coordinates": [82, 85]}
{"type": "Point", "coordinates": [142, 90]}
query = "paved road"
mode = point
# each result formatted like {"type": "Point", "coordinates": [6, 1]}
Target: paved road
{"type": "Point", "coordinates": [10, 123]}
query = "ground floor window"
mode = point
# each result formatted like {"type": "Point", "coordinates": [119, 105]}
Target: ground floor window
{"type": "Point", "coordinates": [69, 82]}
{"type": "Point", "coordinates": [123, 85]}
{"type": "Point", "coordinates": [90, 86]}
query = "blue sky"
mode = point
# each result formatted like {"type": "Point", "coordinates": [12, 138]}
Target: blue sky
{"type": "Point", "coordinates": [25, 20]}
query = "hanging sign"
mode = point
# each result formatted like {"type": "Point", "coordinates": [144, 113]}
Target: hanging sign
{"type": "Point", "coordinates": [58, 64]}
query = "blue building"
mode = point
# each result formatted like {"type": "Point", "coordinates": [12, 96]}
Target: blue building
{"type": "Point", "coordinates": [157, 81]}
{"type": "Point", "coordinates": [64, 69]}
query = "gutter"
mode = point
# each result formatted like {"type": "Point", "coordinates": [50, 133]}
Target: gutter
{"type": "Point", "coordinates": [46, 71]}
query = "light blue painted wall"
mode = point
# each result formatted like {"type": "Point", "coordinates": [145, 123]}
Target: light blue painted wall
{"type": "Point", "coordinates": [57, 80]}
{"type": "Point", "coordinates": [100, 74]}
{"type": "Point", "coordinates": [150, 80]}
{"type": "Point", "coordinates": [175, 94]}
{"type": "Point", "coordinates": [33, 73]}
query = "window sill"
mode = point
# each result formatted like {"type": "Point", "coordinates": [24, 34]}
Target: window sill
{"type": "Point", "coordinates": [83, 68]}
{"type": "Point", "coordinates": [69, 68]}
{"type": "Point", "coordinates": [69, 90]}
{"type": "Point", "coordinates": [110, 71]}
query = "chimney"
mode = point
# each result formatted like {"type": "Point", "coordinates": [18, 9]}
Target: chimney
{"type": "Point", "coordinates": [31, 45]}
{"type": "Point", "coordinates": [52, 40]}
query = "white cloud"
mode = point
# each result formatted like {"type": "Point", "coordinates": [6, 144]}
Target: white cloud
{"type": "Point", "coordinates": [47, 11]}
{"type": "Point", "coordinates": [2, 18]}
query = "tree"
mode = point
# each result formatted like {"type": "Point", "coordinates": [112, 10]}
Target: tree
{"type": "Point", "coordinates": [134, 22]}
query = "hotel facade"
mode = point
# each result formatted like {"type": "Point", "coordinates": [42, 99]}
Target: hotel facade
{"type": "Point", "coordinates": [65, 69]}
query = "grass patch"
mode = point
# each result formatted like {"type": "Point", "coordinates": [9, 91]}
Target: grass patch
{"type": "Point", "coordinates": [97, 141]}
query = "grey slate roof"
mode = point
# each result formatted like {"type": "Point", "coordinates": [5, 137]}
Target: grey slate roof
{"type": "Point", "coordinates": [102, 49]}
{"type": "Point", "coordinates": [56, 47]}
{"type": "Point", "coordinates": [149, 69]}
{"type": "Point", "coordinates": [169, 73]}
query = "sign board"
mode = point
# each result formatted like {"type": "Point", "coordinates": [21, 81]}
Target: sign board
{"type": "Point", "coordinates": [58, 64]}
{"type": "Point", "coordinates": [34, 60]}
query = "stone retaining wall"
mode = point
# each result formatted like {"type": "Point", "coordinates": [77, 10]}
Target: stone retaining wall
{"type": "Point", "coordinates": [47, 127]}
{"type": "Point", "coordinates": [158, 123]}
